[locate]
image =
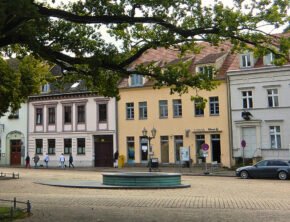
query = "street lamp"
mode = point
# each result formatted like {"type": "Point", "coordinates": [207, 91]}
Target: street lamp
{"type": "Point", "coordinates": [153, 133]}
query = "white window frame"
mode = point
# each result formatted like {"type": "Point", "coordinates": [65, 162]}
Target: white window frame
{"type": "Point", "coordinates": [275, 137]}
{"type": "Point", "coordinates": [163, 109]}
{"type": "Point", "coordinates": [129, 111]}
{"type": "Point", "coordinates": [268, 59]}
{"type": "Point", "coordinates": [248, 99]}
{"type": "Point", "coordinates": [214, 106]}
{"type": "Point", "coordinates": [143, 112]}
{"type": "Point", "coordinates": [206, 70]}
{"type": "Point", "coordinates": [246, 60]}
{"type": "Point", "coordinates": [136, 80]}
{"type": "Point", "coordinates": [177, 108]}
{"type": "Point", "coordinates": [273, 97]}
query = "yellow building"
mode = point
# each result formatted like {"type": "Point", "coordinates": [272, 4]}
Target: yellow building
{"type": "Point", "coordinates": [177, 119]}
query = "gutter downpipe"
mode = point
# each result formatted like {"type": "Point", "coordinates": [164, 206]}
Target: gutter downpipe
{"type": "Point", "coordinates": [230, 121]}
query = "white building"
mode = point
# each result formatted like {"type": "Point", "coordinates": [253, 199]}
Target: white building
{"type": "Point", "coordinates": [260, 108]}
{"type": "Point", "coordinates": [13, 137]}
{"type": "Point", "coordinates": [80, 123]}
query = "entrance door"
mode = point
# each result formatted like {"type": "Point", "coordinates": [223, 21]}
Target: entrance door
{"type": "Point", "coordinates": [216, 147]}
{"type": "Point", "coordinates": [249, 135]}
{"type": "Point", "coordinates": [15, 147]}
{"type": "Point", "coordinates": [104, 151]}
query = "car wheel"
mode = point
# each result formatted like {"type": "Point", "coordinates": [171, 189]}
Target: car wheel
{"type": "Point", "coordinates": [282, 175]}
{"type": "Point", "coordinates": [244, 174]}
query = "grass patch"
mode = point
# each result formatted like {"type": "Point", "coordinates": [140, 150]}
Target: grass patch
{"type": "Point", "coordinates": [5, 214]}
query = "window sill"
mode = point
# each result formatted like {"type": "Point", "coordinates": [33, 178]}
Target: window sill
{"type": "Point", "coordinates": [177, 116]}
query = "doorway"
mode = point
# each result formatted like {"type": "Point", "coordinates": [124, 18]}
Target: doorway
{"type": "Point", "coordinates": [216, 148]}
{"type": "Point", "coordinates": [15, 156]}
{"type": "Point", "coordinates": [103, 151]}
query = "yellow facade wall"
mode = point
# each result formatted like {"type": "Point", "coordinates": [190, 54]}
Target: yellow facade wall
{"type": "Point", "coordinates": [188, 125]}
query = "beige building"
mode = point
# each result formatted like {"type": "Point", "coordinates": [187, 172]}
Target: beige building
{"type": "Point", "coordinates": [180, 125]}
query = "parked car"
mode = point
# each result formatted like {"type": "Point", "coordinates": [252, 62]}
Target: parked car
{"type": "Point", "coordinates": [266, 169]}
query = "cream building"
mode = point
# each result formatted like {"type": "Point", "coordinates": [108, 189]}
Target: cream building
{"type": "Point", "coordinates": [178, 122]}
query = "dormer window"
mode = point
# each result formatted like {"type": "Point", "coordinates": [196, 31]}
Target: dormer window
{"type": "Point", "coordinates": [246, 60]}
{"type": "Point", "coordinates": [206, 70]}
{"type": "Point", "coordinates": [45, 88]}
{"type": "Point", "coordinates": [269, 58]}
{"type": "Point", "coordinates": [136, 80]}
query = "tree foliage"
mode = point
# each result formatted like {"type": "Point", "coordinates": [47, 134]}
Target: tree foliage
{"type": "Point", "coordinates": [20, 80]}
{"type": "Point", "coordinates": [71, 35]}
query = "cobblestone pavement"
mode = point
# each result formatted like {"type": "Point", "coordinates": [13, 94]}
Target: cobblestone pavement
{"type": "Point", "coordinates": [208, 199]}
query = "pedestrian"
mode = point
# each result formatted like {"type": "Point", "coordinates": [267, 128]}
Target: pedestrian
{"type": "Point", "coordinates": [61, 160]}
{"type": "Point", "coordinates": [116, 156]}
{"type": "Point", "coordinates": [71, 161]}
{"type": "Point", "coordinates": [46, 159]}
{"type": "Point", "coordinates": [27, 161]}
{"type": "Point", "coordinates": [35, 159]}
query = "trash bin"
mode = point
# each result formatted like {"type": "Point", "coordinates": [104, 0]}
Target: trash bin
{"type": "Point", "coordinates": [121, 161]}
{"type": "Point", "coordinates": [154, 163]}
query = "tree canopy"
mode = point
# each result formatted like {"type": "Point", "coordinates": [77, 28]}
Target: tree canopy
{"type": "Point", "coordinates": [19, 79]}
{"type": "Point", "coordinates": [71, 34]}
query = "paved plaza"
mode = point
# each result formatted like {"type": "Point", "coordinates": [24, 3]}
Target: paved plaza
{"type": "Point", "coordinates": [210, 198]}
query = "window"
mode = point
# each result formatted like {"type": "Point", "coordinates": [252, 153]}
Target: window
{"type": "Point", "coordinates": [39, 116]}
{"type": "Point", "coordinates": [273, 97]}
{"type": "Point", "coordinates": [198, 110]}
{"type": "Point", "coordinates": [246, 60]}
{"type": "Point", "coordinates": [38, 146]}
{"type": "Point", "coordinates": [51, 115]}
{"type": "Point", "coordinates": [269, 58]}
{"type": "Point", "coordinates": [206, 70]}
{"type": "Point", "coordinates": [51, 146]}
{"type": "Point", "coordinates": [177, 108]}
{"type": "Point", "coordinates": [164, 144]}
{"type": "Point", "coordinates": [103, 112]}
{"type": "Point", "coordinates": [67, 114]}
{"type": "Point", "coordinates": [214, 105]}
{"type": "Point", "coordinates": [131, 149]}
{"type": "Point", "coordinates": [247, 99]}
{"type": "Point", "coordinates": [199, 140]}
{"type": "Point", "coordinates": [275, 137]}
{"type": "Point", "coordinates": [81, 114]}
{"type": "Point", "coordinates": [136, 80]}
{"type": "Point", "coordinates": [163, 109]}
{"type": "Point", "coordinates": [81, 146]}
{"type": "Point", "coordinates": [67, 146]}
{"type": "Point", "coordinates": [45, 88]}
{"type": "Point", "coordinates": [178, 142]}
{"type": "Point", "coordinates": [130, 110]}
{"type": "Point", "coordinates": [14, 115]}
{"type": "Point", "coordinates": [142, 110]}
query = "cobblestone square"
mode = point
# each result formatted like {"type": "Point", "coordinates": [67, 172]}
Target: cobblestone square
{"type": "Point", "coordinates": [209, 198]}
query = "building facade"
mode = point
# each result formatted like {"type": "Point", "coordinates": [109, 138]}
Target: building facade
{"type": "Point", "coordinates": [79, 123]}
{"type": "Point", "coordinates": [178, 121]}
{"type": "Point", "coordinates": [260, 109]}
{"type": "Point", "coordinates": [13, 137]}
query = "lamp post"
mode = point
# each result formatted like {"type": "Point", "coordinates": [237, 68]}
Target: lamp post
{"type": "Point", "coordinates": [153, 133]}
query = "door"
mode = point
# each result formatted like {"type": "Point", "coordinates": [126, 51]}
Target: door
{"type": "Point", "coordinates": [249, 135]}
{"type": "Point", "coordinates": [216, 147]}
{"type": "Point", "coordinates": [103, 151]}
{"type": "Point", "coordinates": [15, 156]}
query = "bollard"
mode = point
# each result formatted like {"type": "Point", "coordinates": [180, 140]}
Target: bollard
{"type": "Point", "coordinates": [28, 207]}
{"type": "Point", "coordinates": [14, 203]}
{"type": "Point", "coordinates": [11, 212]}
{"type": "Point", "coordinates": [13, 175]}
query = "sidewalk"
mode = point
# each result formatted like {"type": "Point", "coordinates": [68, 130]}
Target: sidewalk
{"type": "Point", "coordinates": [193, 171]}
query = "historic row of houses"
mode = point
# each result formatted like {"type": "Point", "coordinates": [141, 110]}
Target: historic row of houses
{"type": "Point", "coordinates": [251, 104]}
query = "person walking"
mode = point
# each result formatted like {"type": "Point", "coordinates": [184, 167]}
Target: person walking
{"type": "Point", "coordinates": [70, 160]}
{"type": "Point", "coordinates": [46, 159]}
{"type": "Point", "coordinates": [27, 161]}
{"type": "Point", "coordinates": [35, 159]}
{"type": "Point", "coordinates": [61, 160]}
{"type": "Point", "coordinates": [116, 156]}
